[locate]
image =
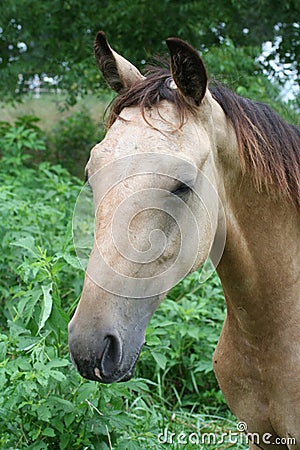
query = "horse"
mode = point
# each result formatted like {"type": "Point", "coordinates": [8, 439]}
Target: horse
{"type": "Point", "coordinates": [188, 169]}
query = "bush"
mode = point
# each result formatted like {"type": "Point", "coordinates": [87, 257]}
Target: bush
{"type": "Point", "coordinates": [21, 142]}
{"type": "Point", "coordinates": [72, 140]}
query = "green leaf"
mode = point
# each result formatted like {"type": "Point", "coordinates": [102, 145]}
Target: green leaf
{"type": "Point", "coordinates": [72, 260]}
{"type": "Point", "coordinates": [44, 413]}
{"type": "Point", "coordinates": [85, 391]}
{"type": "Point", "coordinates": [48, 432]}
{"type": "Point", "coordinates": [46, 307]}
{"type": "Point", "coordinates": [62, 404]}
{"type": "Point", "coordinates": [160, 359]}
{"type": "Point", "coordinates": [64, 441]}
{"type": "Point", "coordinates": [58, 363]}
{"type": "Point", "coordinates": [27, 304]}
{"type": "Point", "coordinates": [59, 376]}
{"type": "Point", "coordinates": [69, 418]}
{"type": "Point", "coordinates": [27, 243]}
{"type": "Point", "coordinates": [58, 424]}
{"type": "Point", "coordinates": [3, 350]}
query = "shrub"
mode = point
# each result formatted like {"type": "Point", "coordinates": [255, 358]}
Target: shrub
{"type": "Point", "coordinates": [72, 140]}
{"type": "Point", "coordinates": [20, 142]}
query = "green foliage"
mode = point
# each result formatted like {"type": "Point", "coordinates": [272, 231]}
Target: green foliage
{"type": "Point", "coordinates": [72, 140]}
{"type": "Point", "coordinates": [59, 40]}
{"type": "Point", "coordinates": [44, 403]}
{"type": "Point", "coordinates": [238, 68]}
{"type": "Point", "coordinates": [18, 142]}
{"type": "Point", "coordinates": [68, 143]}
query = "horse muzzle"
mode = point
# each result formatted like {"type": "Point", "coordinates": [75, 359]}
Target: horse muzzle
{"type": "Point", "coordinates": [104, 357]}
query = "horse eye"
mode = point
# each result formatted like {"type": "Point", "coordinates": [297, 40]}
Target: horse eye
{"type": "Point", "coordinates": [181, 190]}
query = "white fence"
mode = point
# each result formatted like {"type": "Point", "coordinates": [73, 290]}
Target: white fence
{"type": "Point", "coordinates": [40, 85]}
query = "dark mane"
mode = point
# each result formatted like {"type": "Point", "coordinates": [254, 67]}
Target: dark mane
{"type": "Point", "coordinates": [268, 146]}
{"type": "Point", "coordinates": [148, 93]}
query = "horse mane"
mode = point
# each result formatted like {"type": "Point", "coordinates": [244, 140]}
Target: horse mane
{"type": "Point", "coordinates": [268, 146]}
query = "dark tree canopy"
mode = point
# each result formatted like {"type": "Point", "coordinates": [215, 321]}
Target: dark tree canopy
{"type": "Point", "coordinates": [56, 37]}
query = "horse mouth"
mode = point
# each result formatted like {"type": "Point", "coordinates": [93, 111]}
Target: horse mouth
{"type": "Point", "coordinates": [129, 374]}
{"type": "Point", "coordinates": [95, 371]}
{"type": "Point", "coordinates": [119, 375]}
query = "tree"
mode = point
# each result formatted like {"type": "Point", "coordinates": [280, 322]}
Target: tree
{"type": "Point", "coordinates": [56, 37]}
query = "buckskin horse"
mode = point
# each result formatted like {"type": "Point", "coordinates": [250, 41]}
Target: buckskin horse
{"type": "Point", "coordinates": [178, 154]}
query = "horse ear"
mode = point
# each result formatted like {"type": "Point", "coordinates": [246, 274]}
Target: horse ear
{"type": "Point", "coordinates": [188, 70]}
{"type": "Point", "coordinates": [117, 71]}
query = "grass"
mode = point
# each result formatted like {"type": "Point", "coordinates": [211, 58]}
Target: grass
{"type": "Point", "coordinates": [160, 428]}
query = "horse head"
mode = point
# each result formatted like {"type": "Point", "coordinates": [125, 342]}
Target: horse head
{"type": "Point", "coordinates": [157, 210]}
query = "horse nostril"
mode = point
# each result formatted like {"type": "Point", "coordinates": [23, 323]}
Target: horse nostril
{"type": "Point", "coordinates": [112, 355]}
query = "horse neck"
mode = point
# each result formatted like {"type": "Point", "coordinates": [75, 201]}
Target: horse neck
{"type": "Point", "coordinates": [259, 268]}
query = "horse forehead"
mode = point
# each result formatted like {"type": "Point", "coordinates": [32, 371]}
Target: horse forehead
{"type": "Point", "coordinates": [163, 113]}
{"type": "Point", "coordinates": [153, 126]}
{"type": "Point", "coordinates": [132, 134]}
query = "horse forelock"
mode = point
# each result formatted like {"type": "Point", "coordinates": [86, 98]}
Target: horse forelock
{"type": "Point", "coordinates": [268, 146]}
{"type": "Point", "coordinates": [148, 93]}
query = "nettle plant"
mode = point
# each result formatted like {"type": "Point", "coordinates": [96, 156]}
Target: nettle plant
{"type": "Point", "coordinates": [19, 140]}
